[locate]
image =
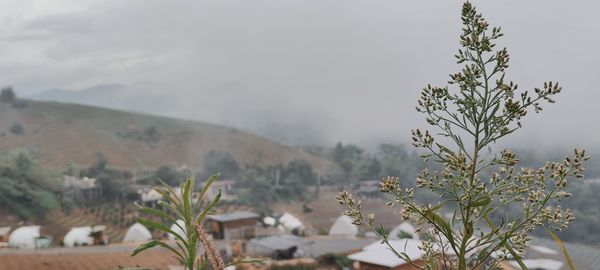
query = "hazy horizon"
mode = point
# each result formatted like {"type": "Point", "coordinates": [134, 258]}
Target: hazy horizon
{"type": "Point", "coordinates": [347, 71]}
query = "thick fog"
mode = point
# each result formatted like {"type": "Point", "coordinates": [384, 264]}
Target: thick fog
{"type": "Point", "coordinates": [319, 71]}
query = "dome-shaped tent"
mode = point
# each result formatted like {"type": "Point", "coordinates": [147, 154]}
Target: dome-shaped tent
{"type": "Point", "coordinates": [404, 230]}
{"type": "Point", "coordinates": [24, 237]}
{"type": "Point", "coordinates": [289, 223]}
{"type": "Point", "coordinates": [79, 236]}
{"type": "Point", "coordinates": [178, 229]}
{"type": "Point", "coordinates": [343, 227]}
{"type": "Point", "coordinates": [137, 233]}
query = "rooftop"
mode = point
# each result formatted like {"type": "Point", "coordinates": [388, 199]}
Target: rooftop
{"type": "Point", "coordinates": [380, 254]}
{"type": "Point", "coordinates": [234, 216]}
{"type": "Point", "coordinates": [280, 242]}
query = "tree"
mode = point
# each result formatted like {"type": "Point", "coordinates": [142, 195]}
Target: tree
{"type": "Point", "coordinates": [221, 162]}
{"type": "Point", "coordinates": [17, 129]}
{"type": "Point", "coordinates": [477, 109]}
{"type": "Point", "coordinates": [169, 175]}
{"type": "Point", "coordinates": [115, 184]}
{"type": "Point", "coordinates": [348, 157]}
{"type": "Point", "coordinates": [27, 190]}
{"type": "Point", "coordinates": [371, 169]}
{"type": "Point", "coordinates": [7, 95]}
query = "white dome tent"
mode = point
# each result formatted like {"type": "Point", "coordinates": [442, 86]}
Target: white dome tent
{"type": "Point", "coordinates": [176, 229]}
{"type": "Point", "coordinates": [288, 223]}
{"type": "Point", "coordinates": [82, 236]}
{"type": "Point", "coordinates": [24, 237]}
{"type": "Point", "coordinates": [79, 236]}
{"type": "Point", "coordinates": [137, 233]}
{"type": "Point", "coordinates": [343, 227]}
{"type": "Point", "coordinates": [269, 221]}
{"type": "Point", "coordinates": [406, 229]}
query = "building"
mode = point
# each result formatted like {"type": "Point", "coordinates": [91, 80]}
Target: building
{"type": "Point", "coordinates": [4, 233]}
{"type": "Point", "coordinates": [367, 187]}
{"type": "Point", "coordinates": [279, 247]}
{"type": "Point", "coordinates": [234, 225]}
{"type": "Point", "coordinates": [149, 197]}
{"type": "Point", "coordinates": [378, 256]}
{"type": "Point", "coordinates": [81, 189]}
{"type": "Point", "coordinates": [225, 186]}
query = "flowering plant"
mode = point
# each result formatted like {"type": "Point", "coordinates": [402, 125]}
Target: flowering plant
{"type": "Point", "coordinates": [478, 108]}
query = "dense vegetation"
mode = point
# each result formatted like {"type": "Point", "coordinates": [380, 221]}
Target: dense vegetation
{"type": "Point", "coordinates": [28, 191]}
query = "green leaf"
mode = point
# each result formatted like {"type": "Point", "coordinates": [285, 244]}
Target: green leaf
{"type": "Point", "coordinates": [155, 225]}
{"type": "Point", "coordinates": [157, 213]}
{"type": "Point", "coordinates": [506, 243]}
{"type": "Point", "coordinates": [206, 186]}
{"type": "Point", "coordinates": [483, 201]}
{"type": "Point", "coordinates": [563, 249]}
{"type": "Point", "coordinates": [171, 193]}
{"type": "Point", "coordinates": [442, 224]}
{"type": "Point", "coordinates": [156, 243]}
{"type": "Point", "coordinates": [208, 208]}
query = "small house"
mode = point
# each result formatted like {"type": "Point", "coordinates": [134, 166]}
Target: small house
{"type": "Point", "coordinates": [226, 188]}
{"type": "Point", "coordinates": [367, 187]}
{"type": "Point", "coordinates": [280, 247]}
{"type": "Point", "coordinates": [149, 197]}
{"type": "Point", "coordinates": [81, 189]}
{"type": "Point", "coordinates": [234, 225]}
{"type": "Point", "coordinates": [4, 233]}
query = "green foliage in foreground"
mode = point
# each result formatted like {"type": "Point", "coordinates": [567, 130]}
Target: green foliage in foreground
{"type": "Point", "coordinates": [477, 109]}
{"type": "Point", "coordinates": [26, 189]}
{"type": "Point", "coordinates": [187, 210]}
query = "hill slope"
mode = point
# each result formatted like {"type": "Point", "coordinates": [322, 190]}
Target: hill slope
{"type": "Point", "coordinates": [63, 133]}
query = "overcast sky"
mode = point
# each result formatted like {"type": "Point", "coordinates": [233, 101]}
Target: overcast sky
{"type": "Point", "coordinates": [343, 69]}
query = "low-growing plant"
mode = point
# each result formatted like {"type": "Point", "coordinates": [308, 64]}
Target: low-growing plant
{"type": "Point", "coordinates": [477, 109]}
{"type": "Point", "coordinates": [187, 210]}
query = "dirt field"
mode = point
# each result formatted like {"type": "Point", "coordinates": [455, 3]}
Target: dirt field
{"type": "Point", "coordinates": [86, 261]}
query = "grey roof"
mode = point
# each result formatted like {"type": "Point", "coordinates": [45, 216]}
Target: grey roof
{"type": "Point", "coordinates": [280, 242]}
{"type": "Point", "coordinates": [234, 216]}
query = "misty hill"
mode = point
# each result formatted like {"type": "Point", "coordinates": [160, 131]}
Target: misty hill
{"type": "Point", "coordinates": [267, 116]}
{"type": "Point", "coordinates": [63, 133]}
{"type": "Point", "coordinates": [136, 98]}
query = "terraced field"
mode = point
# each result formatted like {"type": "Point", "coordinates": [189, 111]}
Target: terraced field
{"type": "Point", "coordinates": [59, 223]}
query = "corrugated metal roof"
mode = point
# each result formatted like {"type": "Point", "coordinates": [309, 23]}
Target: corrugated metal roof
{"type": "Point", "coordinates": [234, 216]}
{"type": "Point", "coordinates": [280, 242]}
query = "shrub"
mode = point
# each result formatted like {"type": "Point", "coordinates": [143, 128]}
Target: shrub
{"type": "Point", "coordinates": [17, 129]}
{"type": "Point", "coordinates": [7, 95]}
